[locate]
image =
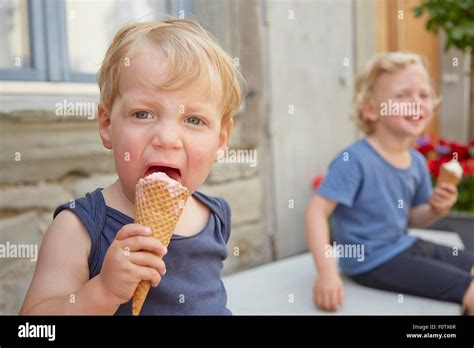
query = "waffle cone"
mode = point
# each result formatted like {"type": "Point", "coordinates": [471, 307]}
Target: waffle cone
{"type": "Point", "coordinates": [447, 176]}
{"type": "Point", "coordinates": [158, 206]}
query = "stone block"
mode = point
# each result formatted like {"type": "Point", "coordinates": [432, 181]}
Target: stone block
{"type": "Point", "coordinates": [248, 247]}
{"type": "Point", "coordinates": [82, 186]}
{"type": "Point", "coordinates": [43, 196]}
{"type": "Point", "coordinates": [243, 196]}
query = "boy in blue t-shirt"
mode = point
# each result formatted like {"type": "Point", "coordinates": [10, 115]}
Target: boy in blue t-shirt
{"type": "Point", "coordinates": [168, 92]}
{"type": "Point", "coordinates": [380, 186]}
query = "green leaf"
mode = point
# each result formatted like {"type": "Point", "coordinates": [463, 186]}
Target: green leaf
{"type": "Point", "coordinates": [454, 17]}
{"type": "Point", "coordinates": [418, 11]}
{"type": "Point", "coordinates": [457, 33]}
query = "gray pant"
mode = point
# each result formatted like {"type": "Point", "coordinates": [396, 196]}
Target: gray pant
{"type": "Point", "coordinates": [425, 269]}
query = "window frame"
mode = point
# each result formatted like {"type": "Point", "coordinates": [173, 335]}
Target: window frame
{"type": "Point", "coordinates": [38, 69]}
{"type": "Point", "coordinates": [48, 43]}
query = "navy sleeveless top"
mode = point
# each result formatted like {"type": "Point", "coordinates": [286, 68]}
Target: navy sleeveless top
{"type": "Point", "coordinates": [192, 284]}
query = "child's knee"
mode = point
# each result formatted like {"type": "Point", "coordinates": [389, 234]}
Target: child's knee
{"type": "Point", "coordinates": [469, 295]}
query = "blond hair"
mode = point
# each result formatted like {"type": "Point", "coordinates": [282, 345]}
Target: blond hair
{"type": "Point", "coordinates": [191, 54]}
{"type": "Point", "coordinates": [365, 81]}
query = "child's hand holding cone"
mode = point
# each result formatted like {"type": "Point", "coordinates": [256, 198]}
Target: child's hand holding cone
{"type": "Point", "coordinates": [445, 193]}
{"type": "Point", "coordinates": [133, 256]}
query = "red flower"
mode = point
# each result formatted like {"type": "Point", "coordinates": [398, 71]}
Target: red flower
{"type": "Point", "coordinates": [460, 150]}
{"type": "Point", "coordinates": [433, 166]}
{"type": "Point", "coordinates": [425, 149]}
{"type": "Point", "coordinates": [468, 167]}
{"type": "Point", "coordinates": [317, 181]}
{"type": "Point", "coordinates": [445, 158]}
{"type": "Point", "coordinates": [446, 151]}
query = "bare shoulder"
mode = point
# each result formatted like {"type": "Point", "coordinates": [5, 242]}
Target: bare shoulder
{"type": "Point", "coordinates": [201, 212]}
{"type": "Point", "coordinates": [62, 265]}
{"type": "Point", "coordinates": [67, 232]}
{"type": "Point", "coordinates": [201, 209]}
{"type": "Point", "coordinates": [195, 217]}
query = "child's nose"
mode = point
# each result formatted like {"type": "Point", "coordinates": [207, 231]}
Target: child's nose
{"type": "Point", "coordinates": [166, 135]}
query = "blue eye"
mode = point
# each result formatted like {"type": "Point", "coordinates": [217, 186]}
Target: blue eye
{"type": "Point", "coordinates": [142, 115]}
{"type": "Point", "coordinates": [194, 120]}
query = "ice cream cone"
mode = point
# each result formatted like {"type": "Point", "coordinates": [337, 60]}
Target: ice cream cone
{"type": "Point", "coordinates": [450, 172]}
{"type": "Point", "coordinates": [159, 202]}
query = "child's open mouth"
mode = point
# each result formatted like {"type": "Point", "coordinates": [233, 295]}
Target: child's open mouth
{"type": "Point", "coordinates": [173, 173]}
{"type": "Point", "coordinates": [414, 119]}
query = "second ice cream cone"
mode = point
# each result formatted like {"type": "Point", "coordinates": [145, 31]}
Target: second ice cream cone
{"type": "Point", "coordinates": [450, 172]}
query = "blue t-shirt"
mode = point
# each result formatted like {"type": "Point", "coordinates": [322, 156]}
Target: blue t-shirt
{"type": "Point", "coordinates": [374, 200]}
{"type": "Point", "coordinates": [192, 284]}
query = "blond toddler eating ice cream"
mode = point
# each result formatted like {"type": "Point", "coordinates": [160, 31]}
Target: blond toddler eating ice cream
{"type": "Point", "coordinates": [167, 96]}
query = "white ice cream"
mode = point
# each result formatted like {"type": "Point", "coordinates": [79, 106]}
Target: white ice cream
{"type": "Point", "coordinates": [162, 176]}
{"type": "Point", "coordinates": [174, 188]}
{"type": "Point", "coordinates": [453, 167]}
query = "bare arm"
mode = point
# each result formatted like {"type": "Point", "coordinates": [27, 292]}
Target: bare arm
{"type": "Point", "coordinates": [442, 200]}
{"type": "Point", "coordinates": [422, 216]}
{"type": "Point", "coordinates": [328, 290]}
{"type": "Point", "coordinates": [61, 284]}
{"type": "Point", "coordinates": [317, 231]}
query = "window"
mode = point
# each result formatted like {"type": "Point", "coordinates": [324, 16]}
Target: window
{"type": "Point", "coordinates": [65, 40]}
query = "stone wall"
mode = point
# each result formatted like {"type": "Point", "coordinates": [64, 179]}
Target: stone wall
{"type": "Point", "coordinates": [47, 160]}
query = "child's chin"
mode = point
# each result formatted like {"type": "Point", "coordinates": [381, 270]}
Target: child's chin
{"type": "Point", "coordinates": [415, 129]}
{"type": "Point", "coordinates": [413, 132]}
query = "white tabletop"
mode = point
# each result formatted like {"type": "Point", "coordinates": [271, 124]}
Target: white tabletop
{"type": "Point", "coordinates": [284, 288]}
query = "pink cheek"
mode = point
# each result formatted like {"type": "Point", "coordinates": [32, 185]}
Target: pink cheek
{"type": "Point", "coordinates": [200, 162]}
{"type": "Point", "coordinates": [197, 161]}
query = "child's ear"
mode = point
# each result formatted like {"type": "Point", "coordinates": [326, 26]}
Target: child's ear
{"type": "Point", "coordinates": [226, 129]}
{"type": "Point", "coordinates": [104, 126]}
{"type": "Point", "coordinates": [370, 110]}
